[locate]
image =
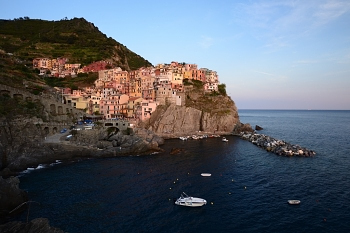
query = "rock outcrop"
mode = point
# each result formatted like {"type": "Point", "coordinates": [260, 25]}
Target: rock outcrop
{"type": "Point", "coordinates": [85, 143]}
{"type": "Point", "coordinates": [257, 127]}
{"type": "Point", "coordinates": [212, 114]}
{"type": "Point", "coordinates": [38, 225]}
{"type": "Point", "coordinates": [11, 197]}
{"type": "Point", "coordinates": [138, 141]}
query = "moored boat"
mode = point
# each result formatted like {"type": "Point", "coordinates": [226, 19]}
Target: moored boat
{"type": "Point", "coordinates": [293, 202]}
{"type": "Point", "coordinates": [186, 200]}
{"type": "Point", "coordinates": [183, 138]}
{"type": "Point", "coordinates": [205, 174]}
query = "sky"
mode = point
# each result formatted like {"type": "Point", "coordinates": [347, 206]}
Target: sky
{"type": "Point", "coordinates": [270, 54]}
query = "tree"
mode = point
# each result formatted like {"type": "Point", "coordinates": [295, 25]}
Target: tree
{"type": "Point", "coordinates": [222, 89]}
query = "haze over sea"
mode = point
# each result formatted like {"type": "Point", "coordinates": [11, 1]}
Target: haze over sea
{"type": "Point", "coordinates": [247, 192]}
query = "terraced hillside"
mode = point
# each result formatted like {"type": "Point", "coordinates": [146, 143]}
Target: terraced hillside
{"type": "Point", "coordinates": [77, 39]}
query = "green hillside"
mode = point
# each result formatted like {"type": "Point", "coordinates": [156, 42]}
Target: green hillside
{"type": "Point", "coordinates": [77, 39]}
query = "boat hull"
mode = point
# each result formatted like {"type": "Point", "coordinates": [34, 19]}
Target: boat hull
{"type": "Point", "coordinates": [205, 174]}
{"type": "Point", "coordinates": [191, 202]}
{"type": "Point", "coordinates": [293, 202]}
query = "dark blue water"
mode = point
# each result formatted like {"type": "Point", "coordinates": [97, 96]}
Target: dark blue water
{"type": "Point", "coordinates": [247, 192]}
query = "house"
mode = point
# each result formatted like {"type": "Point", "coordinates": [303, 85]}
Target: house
{"type": "Point", "coordinates": [133, 104]}
{"type": "Point", "coordinates": [209, 87]}
{"type": "Point", "coordinates": [147, 87]}
{"type": "Point", "coordinates": [114, 106]}
{"type": "Point", "coordinates": [147, 107]}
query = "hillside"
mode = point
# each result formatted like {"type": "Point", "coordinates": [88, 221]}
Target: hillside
{"type": "Point", "coordinates": [77, 39]}
{"type": "Point", "coordinates": [15, 73]}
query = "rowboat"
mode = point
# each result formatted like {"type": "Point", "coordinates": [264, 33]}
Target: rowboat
{"type": "Point", "coordinates": [293, 202]}
{"type": "Point", "coordinates": [205, 174]}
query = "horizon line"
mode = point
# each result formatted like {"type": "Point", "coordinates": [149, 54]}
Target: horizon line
{"type": "Point", "coordinates": [291, 109]}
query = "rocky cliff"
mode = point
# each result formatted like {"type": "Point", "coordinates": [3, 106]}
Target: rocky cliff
{"type": "Point", "coordinates": [11, 197]}
{"type": "Point", "coordinates": [202, 113]}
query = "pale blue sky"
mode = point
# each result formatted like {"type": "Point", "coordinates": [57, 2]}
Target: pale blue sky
{"type": "Point", "coordinates": [282, 54]}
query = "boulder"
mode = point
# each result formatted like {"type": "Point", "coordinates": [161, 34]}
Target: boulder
{"type": "Point", "coordinates": [38, 225]}
{"type": "Point", "coordinates": [175, 151]}
{"type": "Point", "coordinates": [11, 196]}
{"type": "Point", "coordinates": [258, 127]}
{"type": "Point", "coordinates": [278, 147]}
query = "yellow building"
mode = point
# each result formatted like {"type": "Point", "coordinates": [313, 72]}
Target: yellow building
{"type": "Point", "coordinates": [133, 104]}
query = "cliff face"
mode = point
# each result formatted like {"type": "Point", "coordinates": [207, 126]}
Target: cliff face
{"type": "Point", "coordinates": [208, 114]}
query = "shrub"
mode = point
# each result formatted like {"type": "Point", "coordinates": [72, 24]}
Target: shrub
{"type": "Point", "coordinates": [222, 89]}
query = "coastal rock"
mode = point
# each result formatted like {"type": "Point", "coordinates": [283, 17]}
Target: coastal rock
{"type": "Point", "coordinates": [84, 143]}
{"type": "Point", "coordinates": [38, 225]}
{"type": "Point", "coordinates": [243, 128]}
{"type": "Point", "coordinates": [257, 127]}
{"type": "Point", "coordinates": [167, 121]}
{"type": "Point", "coordinates": [149, 136]}
{"type": "Point", "coordinates": [174, 121]}
{"type": "Point", "coordinates": [11, 196]}
{"type": "Point", "coordinates": [140, 140]}
{"type": "Point", "coordinates": [175, 151]}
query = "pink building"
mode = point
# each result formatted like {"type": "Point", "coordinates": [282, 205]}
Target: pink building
{"type": "Point", "coordinates": [114, 106]}
{"type": "Point", "coordinates": [147, 107]}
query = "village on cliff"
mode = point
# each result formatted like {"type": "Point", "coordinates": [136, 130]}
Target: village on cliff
{"type": "Point", "coordinates": [133, 95]}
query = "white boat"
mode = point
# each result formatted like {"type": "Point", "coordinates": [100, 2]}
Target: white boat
{"type": "Point", "coordinates": [183, 138]}
{"type": "Point", "coordinates": [224, 139]}
{"type": "Point", "coordinates": [293, 202]}
{"type": "Point", "coordinates": [205, 174]}
{"type": "Point", "coordinates": [186, 200]}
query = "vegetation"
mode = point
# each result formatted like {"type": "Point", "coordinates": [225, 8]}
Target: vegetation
{"type": "Point", "coordinates": [186, 82]}
{"type": "Point", "coordinates": [82, 80]}
{"type": "Point", "coordinates": [77, 39]}
{"type": "Point", "coordinates": [222, 89]}
{"type": "Point", "coordinates": [14, 72]}
{"type": "Point", "coordinates": [12, 108]}
{"type": "Point", "coordinates": [215, 102]}
{"type": "Point", "coordinates": [195, 83]}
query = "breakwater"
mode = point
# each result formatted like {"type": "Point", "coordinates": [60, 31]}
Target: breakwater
{"type": "Point", "coordinates": [276, 146]}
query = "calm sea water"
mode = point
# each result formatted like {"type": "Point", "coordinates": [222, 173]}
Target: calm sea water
{"type": "Point", "coordinates": [247, 192]}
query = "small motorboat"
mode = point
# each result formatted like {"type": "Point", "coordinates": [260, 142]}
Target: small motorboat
{"type": "Point", "coordinates": [205, 174]}
{"type": "Point", "coordinates": [224, 139]}
{"type": "Point", "coordinates": [293, 202]}
{"type": "Point", "coordinates": [186, 200]}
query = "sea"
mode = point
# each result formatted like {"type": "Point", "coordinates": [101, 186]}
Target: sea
{"type": "Point", "coordinates": [247, 191]}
